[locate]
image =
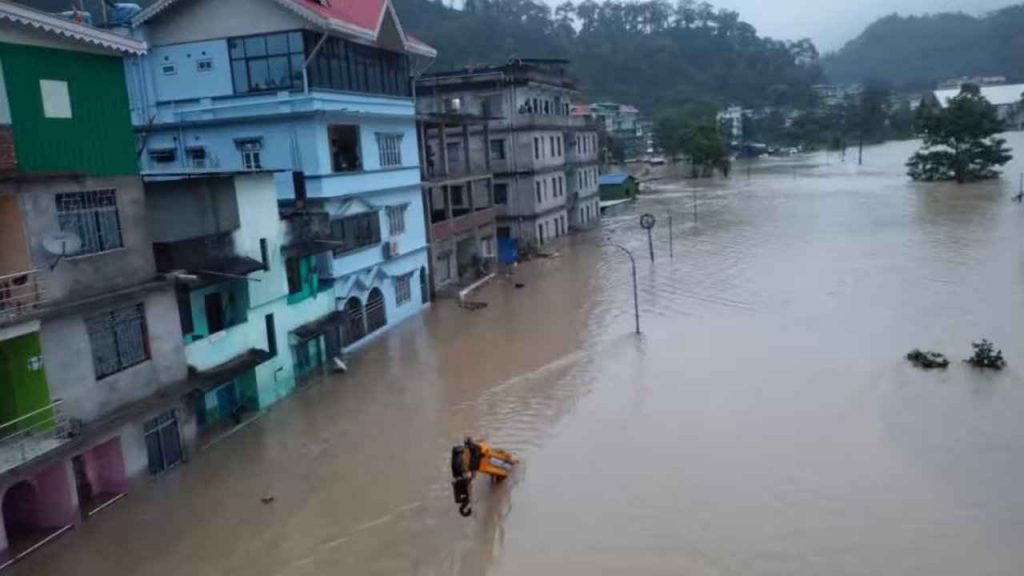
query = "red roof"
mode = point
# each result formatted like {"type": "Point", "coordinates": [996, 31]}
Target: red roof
{"type": "Point", "coordinates": [362, 13]}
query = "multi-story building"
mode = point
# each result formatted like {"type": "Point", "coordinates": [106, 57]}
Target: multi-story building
{"type": "Point", "coordinates": [533, 141]}
{"type": "Point", "coordinates": [623, 123]}
{"type": "Point", "coordinates": [92, 366]}
{"type": "Point", "coordinates": [254, 313]}
{"type": "Point", "coordinates": [458, 192]}
{"type": "Point", "coordinates": [319, 93]}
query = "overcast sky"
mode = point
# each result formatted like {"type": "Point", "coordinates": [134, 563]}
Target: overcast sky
{"type": "Point", "coordinates": [830, 23]}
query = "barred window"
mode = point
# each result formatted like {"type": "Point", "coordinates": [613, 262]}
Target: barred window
{"type": "Point", "coordinates": [396, 218]}
{"type": "Point", "coordinates": [93, 217]}
{"type": "Point", "coordinates": [118, 339]}
{"type": "Point", "coordinates": [403, 289]}
{"type": "Point", "coordinates": [390, 147]}
{"type": "Point", "coordinates": [252, 153]}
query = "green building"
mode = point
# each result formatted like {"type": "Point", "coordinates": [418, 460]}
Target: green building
{"type": "Point", "coordinates": [618, 186]}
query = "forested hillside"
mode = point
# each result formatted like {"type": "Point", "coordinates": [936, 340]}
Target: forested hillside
{"type": "Point", "coordinates": [655, 54]}
{"type": "Point", "coordinates": [916, 52]}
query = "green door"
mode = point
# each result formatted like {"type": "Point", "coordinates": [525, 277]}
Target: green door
{"type": "Point", "coordinates": [23, 388]}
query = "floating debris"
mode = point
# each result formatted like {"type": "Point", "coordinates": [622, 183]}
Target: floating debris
{"type": "Point", "coordinates": [984, 357]}
{"type": "Point", "coordinates": [520, 285]}
{"type": "Point", "coordinates": [472, 306]}
{"type": "Point", "coordinates": [267, 499]}
{"type": "Point", "coordinates": [927, 359]}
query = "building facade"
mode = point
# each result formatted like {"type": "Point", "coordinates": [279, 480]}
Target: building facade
{"type": "Point", "coordinates": [92, 366]}
{"type": "Point", "coordinates": [622, 123]}
{"type": "Point", "coordinates": [533, 142]}
{"type": "Point", "coordinates": [458, 190]}
{"type": "Point", "coordinates": [320, 94]}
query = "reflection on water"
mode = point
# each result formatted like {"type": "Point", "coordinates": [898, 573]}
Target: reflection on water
{"type": "Point", "coordinates": [765, 423]}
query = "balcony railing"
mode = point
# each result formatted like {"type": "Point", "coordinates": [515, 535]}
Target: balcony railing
{"type": "Point", "coordinates": [33, 435]}
{"type": "Point", "coordinates": [20, 294]}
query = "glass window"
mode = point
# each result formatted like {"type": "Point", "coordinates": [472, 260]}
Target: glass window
{"type": "Point", "coordinates": [267, 62]}
{"type": "Point", "coordinates": [497, 149]}
{"type": "Point", "coordinates": [345, 154]}
{"type": "Point", "coordinates": [354, 232]}
{"type": "Point", "coordinates": [500, 193]}
{"type": "Point", "coordinates": [93, 217]}
{"type": "Point", "coordinates": [118, 339]}
{"type": "Point", "coordinates": [277, 44]}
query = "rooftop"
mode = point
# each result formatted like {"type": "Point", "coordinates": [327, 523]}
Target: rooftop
{"type": "Point", "coordinates": [997, 95]}
{"type": "Point", "coordinates": [76, 31]}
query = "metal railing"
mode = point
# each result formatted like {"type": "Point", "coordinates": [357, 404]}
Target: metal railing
{"type": "Point", "coordinates": [21, 293]}
{"type": "Point", "coordinates": [33, 434]}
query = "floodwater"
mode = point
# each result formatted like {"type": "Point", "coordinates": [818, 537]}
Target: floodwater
{"type": "Point", "coordinates": [765, 423]}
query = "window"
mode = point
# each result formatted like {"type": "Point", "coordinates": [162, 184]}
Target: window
{"type": "Point", "coordinates": [168, 69]}
{"type": "Point", "coordinates": [544, 186]}
{"type": "Point", "coordinates": [345, 155]}
{"type": "Point", "coordinates": [492, 105]}
{"type": "Point", "coordinates": [162, 155]}
{"type": "Point", "coordinates": [118, 339]}
{"type": "Point", "coordinates": [536, 148]}
{"type": "Point", "coordinates": [204, 65]}
{"type": "Point", "coordinates": [539, 198]}
{"type": "Point", "coordinates": [500, 193]}
{"type": "Point", "coordinates": [163, 443]}
{"type": "Point", "coordinates": [340, 65]}
{"type": "Point", "coordinates": [497, 149]}
{"type": "Point", "coordinates": [444, 267]}
{"type": "Point", "coordinates": [266, 62]}
{"type": "Point", "coordinates": [403, 289]}
{"type": "Point", "coordinates": [559, 146]}
{"type": "Point", "coordinates": [93, 217]}
{"type": "Point", "coordinates": [196, 156]}
{"type": "Point", "coordinates": [271, 334]}
{"type": "Point", "coordinates": [293, 269]}
{"type": "Point", "coordinates": [396, 219]}
{"type": "Point", "coordinates": [551, 146]}
{"type": "Point", "coordinates": [354, 232]}
{"type": "Point", "coordinates": [56, 99]}
{"type": "Point", "coordinates": [487, 247]}
{"type": "Point", "coordinates": [251, 150]}
{"type": "Point", "coordinates": [390, 147]}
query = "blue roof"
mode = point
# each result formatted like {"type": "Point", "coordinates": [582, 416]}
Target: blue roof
{"type": "Point", "coordinates": [614, 178]}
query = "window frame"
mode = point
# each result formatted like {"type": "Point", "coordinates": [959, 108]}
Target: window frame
{"type": "Point", "coordinates": [403, 289]}
{"type": "Point", "coordinates": [389, 148]}
{"type": "Point", "coordinates": [96, 219]}
{"type": "Point", "coordinates": [97, 326]}
{"type": "Point", "coordinates": [396, 218]}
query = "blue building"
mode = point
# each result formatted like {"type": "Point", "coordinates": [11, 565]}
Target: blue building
{"type": "Point", "coordinates": [320, 95]}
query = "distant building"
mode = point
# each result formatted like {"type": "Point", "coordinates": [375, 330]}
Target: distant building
{"type": "Point", "coordinates": [623, 123]}
{"type": "Point", "coordinates": [618, 186]}
{"type": "Point", "coordinates": [956, 83]}
{"type": "Point", "coordinates": [731, 121]}
{"type": "Point", "coordinates": [1006, 98]}
{"type": "Point", "coordinates": [830, 95]}
{"type": "Point", "coordinates": [92, 365]}
{"type": "Point", "coordinates": [545, 160]}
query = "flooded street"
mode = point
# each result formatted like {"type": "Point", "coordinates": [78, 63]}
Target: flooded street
{"type": "Point", "coordinates": [765, 423]}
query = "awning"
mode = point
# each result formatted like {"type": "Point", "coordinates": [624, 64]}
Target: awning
{"type": "Point", "coordinates": [231, 266]}
{"type": "Point", "coordinates": [310, 330]}
{"type": "Point", "coordinates": [207, 380]}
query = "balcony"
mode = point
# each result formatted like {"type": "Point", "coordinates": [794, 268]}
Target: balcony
{"type": "Point", "coordinates": [32, 435]}
{"type": "Point", "coordinates": [458, 224]}
{"type": "Point", "coordinates": [205, 260]}
{"type": "Point", "coordinates": [21, 294]}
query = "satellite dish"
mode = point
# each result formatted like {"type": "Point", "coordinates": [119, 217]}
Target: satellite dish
{"type": "Point", "coordinates": [62, 244]}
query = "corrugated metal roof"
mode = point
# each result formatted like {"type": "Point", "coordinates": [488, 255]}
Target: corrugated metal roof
{"type": "Point", "coordinates": [72, 30]}
{"type": "Point", "coordinates": [997, 95]}
{"type": "Point", "coordinates": [613, 179]}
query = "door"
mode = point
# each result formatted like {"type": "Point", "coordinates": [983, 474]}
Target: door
{"type": "Point", "coordinates": [227, 401]}
{"type": "Point", "coordinates": [214, 312]}
{"type": "Point", "coordinates": [163, 442]}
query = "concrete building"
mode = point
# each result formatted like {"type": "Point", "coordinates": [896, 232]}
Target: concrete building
{"type": "Point", "coordinates": [622, 123]}
{"type": "Point", "coordinates": [458, 190]}
{"type": "Point", "coordinates": [537, 147]}
{"type": "Point", "coordinates": [254, 313]}
{"type": "Point", "coordinates": [92, 366]}
{"type": "Point", "coordinates": [318, 93]}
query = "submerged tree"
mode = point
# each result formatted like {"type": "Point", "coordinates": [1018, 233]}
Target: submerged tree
{"type": "Point", "coordinates": [959, 140]}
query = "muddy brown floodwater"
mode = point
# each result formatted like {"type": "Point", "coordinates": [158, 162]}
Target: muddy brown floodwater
{"type": "Point", "coordinates": [766, 423]}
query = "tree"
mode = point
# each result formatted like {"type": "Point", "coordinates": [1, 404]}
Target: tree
{"type": "Point", "coordinates": [959, 140]}
{"type": "Point", "coordinates": [693, 132]}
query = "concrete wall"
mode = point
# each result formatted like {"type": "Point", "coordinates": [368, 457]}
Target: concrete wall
{"type": "Point", "coordinates": [14, 254]}
{"type": "Point", "coordinates": [188, 81]}
{"type": "Point", "coordinates": [522, 194]}
{"type": "Point", "coordinates": [67, 356]}
{"type": "Point", "coordinates": [208, 19]}
{"type": "Point", "coordinates": [185, 209]}
{"type": "Point", "coordinates": [82, 276]}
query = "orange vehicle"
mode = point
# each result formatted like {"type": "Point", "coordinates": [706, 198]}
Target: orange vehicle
{"type": "Point", "coordinates": [473, 457]}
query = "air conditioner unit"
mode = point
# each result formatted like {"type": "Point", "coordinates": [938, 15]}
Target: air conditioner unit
{"type": "Point", "coordinates": [391, 249]}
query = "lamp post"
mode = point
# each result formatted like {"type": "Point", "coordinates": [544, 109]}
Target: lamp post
{"type": "Point", "coordinates": [636, 299]}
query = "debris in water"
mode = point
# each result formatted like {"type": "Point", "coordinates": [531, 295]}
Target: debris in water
{"type": "Point", "coordinates": [472, 306]}
{"type": "Point", "coordinates": [927, 359]}
{"type": "Point", "coordinates": [984, 357]}
{"type": "Point", "coordinates": [520, 285]}
{"type": "Point", "coordinates": [267, 499]}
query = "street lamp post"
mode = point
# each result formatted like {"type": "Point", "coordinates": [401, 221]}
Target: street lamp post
{"type": "Point", "coordinates": [636, 298]}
